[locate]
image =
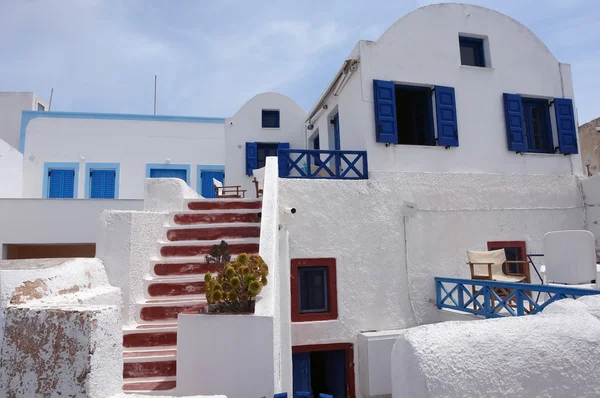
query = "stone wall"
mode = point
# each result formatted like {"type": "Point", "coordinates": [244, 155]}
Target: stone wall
{"type": "Point", "coordinates": [589, 142]}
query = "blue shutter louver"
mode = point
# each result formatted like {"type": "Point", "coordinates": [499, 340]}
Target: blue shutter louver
{"type": "Point", "coordinates": [61, 183]}
{"type": "Point", "coordinates": [515, 130]}
{"type": "Point", "coordinates": [284, 168]}
{"type": "Point", "coordinates": [447, 123]}
{"type": "Point", "coordinates": [565, 126]}
{"type": "Point", "coordinates": [384, 100]}
{"type": "Point", "coordinates": [251, 157]}
{"type": "Point", "coordinates": [103, 184]}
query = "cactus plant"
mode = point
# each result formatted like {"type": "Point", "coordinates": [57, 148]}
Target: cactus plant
{"type": "Point", "coordinates": [237, 284]}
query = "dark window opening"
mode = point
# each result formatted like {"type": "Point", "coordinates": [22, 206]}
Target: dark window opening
{"type": "Point", "coordinates": [414, 115]}
{"type": "Point", "coordinates": [313, 289]}
{"type": "Point", "coordinates": [264, 150]}
{"type": "Point", "coordinates": [270, 119]}
{"type": "Point", "coordinates": [471, 51]}
{"type": "Point", "coordinates": [538, 133]}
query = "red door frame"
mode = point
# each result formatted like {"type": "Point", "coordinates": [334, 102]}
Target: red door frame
{"type": "Point", "coordinates": [347, 347]}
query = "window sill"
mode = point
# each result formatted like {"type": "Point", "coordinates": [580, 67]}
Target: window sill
{"type": "Point", "coordinates": [541, 154]}
{"type": "Point", "coordinates": [488, 68]}
{"type": "Point", "coordinates": [270, 128]}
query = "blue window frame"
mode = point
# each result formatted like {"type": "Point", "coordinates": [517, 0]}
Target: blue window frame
{"type": "Point", "coordinates": [270, 119]}
{"type": "Point", "coordinates": [60, 180]}
{"type": "Point", "coordinates": [313, 289]}
{"type": "Point", "coordinates": [102, 180]}
{"type": "Point", "coordinates": [471, 51]}
{"type": "Point", "coordinates": [538, 130]}
{"type": "Point", "coordinates": [205, 175]}
{"type": "Point", "coordinates": [181, 171]}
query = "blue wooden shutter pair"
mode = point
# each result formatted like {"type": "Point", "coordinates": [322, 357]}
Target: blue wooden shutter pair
{"type": "Point", "coordinates": [208, 185]}
{"type": "Point", "coordinates": [61, 183]}
{"type": "Point", "coordinates": [386, 128]}
{"type": "Point", "coordinates": [515, 124]}
{"type": "Point", "coordinates": [102, 184]}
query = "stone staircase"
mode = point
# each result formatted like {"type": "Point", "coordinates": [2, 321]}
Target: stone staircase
{"type": "Point", "coordinates": [176, 284]}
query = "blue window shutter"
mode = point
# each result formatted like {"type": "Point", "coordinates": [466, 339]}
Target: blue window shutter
{"type": "Point", "coordinates": [251, 157]}
{"type": "Point", "coordinates": [169, 173]}
{"type": "Point", "coordinates": [515, 130]}
{"type": "Point", "coordinates": [384, 99]}
{"type": "Point", "coordinates": [284, 168]}
{"type": "Point", "coordinates": [445, 109]}
{"type": "Point", "coordinates": [103, 184]}
{"type": "Point", "coordinates": [61, 183]}
{"type": "Point", "coordinates": [208, 185]}
{"type": "Point", "coordinates": [565, 126]}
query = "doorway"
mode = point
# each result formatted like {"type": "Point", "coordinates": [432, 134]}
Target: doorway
{"type": "Point", "coordinates": [324, 369]}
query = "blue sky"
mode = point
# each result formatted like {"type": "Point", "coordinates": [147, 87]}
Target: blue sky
{"type": "Point", "coordinates": [212, 56]}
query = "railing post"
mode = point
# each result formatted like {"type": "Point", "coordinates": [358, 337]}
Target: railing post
{"type": "Point", "coordinates": [520, 307]}
{"type": "Point", "coordinates": [365, 166]}
{"type": "Point", "coordinates": [438, 294]}
{"type": "Point", "coordinates": [461, 299]}
{"type": "Point", "coordinates": [338, 160]}
{"type": "Point", "coordinates": [487, 311]}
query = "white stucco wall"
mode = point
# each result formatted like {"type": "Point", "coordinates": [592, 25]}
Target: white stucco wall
{"type": "Point", "coordinates": [387, 265]}
{"type": "Point", "coordinates": [11, 171]}
{"type": "Point", "coordinates": [591, 193]}
{"type": "Point", "coordinates": [421, 48]}
{"type": "Point", "coordinates": [131, 143]}
{"type": "Point", "coordinates": [11, 106]}
{"type": "Point", "coordinates": [246, 126]}
{"type": "Point", "coordinates": [55, 220]}
{"type": "Point", "coordinates": [503, 357]}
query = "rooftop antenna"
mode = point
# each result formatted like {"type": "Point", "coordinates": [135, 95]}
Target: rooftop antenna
{"type": "Point", "coordinates": [50, 103]}
{"type": "Point", "coordinates": [155, 94]}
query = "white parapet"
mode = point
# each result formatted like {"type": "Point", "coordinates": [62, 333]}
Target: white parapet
{"type": "Point", "coordinates": [553, 354]}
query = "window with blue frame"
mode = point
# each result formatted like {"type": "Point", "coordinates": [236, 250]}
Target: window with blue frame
{"type": "Point", "coordinates": [169, 173]}
{"type": "Point", "coordinates": [404, 114]}
{"type": "Point", "coordinates": [263, 151]}
{"type": "Point", "coordinates": [471, 51]}
{"type": "Point", "coordinates": [102, 183]}
{"type": "Point", "coordinates": [61, 183]}
{"type": "Point", "coordinates": [270, 119]}
{"type": "Point", "coordinates": [529, 129]}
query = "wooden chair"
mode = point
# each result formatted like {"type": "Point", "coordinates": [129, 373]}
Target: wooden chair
{"type": "Point", "coordinates": [259, 191]}
{"type": "Point", "coordinates": [230, 191]}
{"type": "Point", "coordinates": [488, 265]}
{"type": "Point", "coordinates": [259, 180]}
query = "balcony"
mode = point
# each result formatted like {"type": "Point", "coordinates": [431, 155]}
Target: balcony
{"type": "Point", "coordinates": [317, 164]}
{"type": "Point", "coordinates": [499, 299]}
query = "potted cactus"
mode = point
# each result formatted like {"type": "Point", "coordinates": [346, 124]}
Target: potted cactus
{"type": "Point", "coordinates": [236, 285]}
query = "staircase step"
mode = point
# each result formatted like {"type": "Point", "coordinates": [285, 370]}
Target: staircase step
{"type": "Point", "coordinates": [149, 355]}
{"type": "Point", "coordinates": [166, 310]}
{"type": "Point", "coordinates": [174, 287]}
{"type": "Point", "coordinates": [155, 368]}
{"type": "Point", "coordinates": [145, 386]}
{"type": "Point", "coordinates": [145, 336]}
{"type": "Point", "coordinates": [183, 266]}
{"type": "Point", "coordinates": [211, 217]}
{"type": "Point", "coordinates": [225, 204]}
{"type": "Point", "coordinates": [183, 249]}
{"type": "Point", "coordinates": [200, 234]}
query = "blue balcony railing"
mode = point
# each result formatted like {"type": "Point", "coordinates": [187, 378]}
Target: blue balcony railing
{"type": "Point", "coordinates": [498, 299]}
{"type": "Point", "coordinates": [309, 163]}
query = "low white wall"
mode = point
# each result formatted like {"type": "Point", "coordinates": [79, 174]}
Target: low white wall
{"type": "Point", "coordinates": [225, 354]}
{"type": "Point", "coordinates": [387, 255]}
{"type": "Point", "coordinates": [591, 194]}
{"type": "Point", "coordinates": [167, 194]}
{"type": "Point", "coordinates": [11, 171]}
{"type": "Point", "coordinates": [503, 357]}
{"type": "Point", "coordinates": [55, 220]}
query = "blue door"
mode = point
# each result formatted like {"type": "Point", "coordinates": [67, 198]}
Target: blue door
{"type": "Point", "coordinates": [208, 186]}
{"type": "Point", "coordinates": [169, 173]}
{"type": "Point", "coordinates": [301, 373]}
{"type": "Point", "coordinates": [335, 373]}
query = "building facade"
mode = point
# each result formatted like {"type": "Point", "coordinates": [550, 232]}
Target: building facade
{"type": "Point", "coordinates": [589, 137]}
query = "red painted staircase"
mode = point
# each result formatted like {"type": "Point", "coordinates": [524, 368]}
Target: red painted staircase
{"type": "Point", "coordinates": [176, 284]}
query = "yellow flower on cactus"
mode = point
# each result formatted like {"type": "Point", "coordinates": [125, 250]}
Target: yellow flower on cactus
{"type": "Point", "coordinates": [232, 295]}
{"type": "Point", "coordinates": [217, 286]}
{"type": "Point", "coordinates": [264, 281]}
{"type": "Point", "coordinates": [217, 295]}
{"type": "Point", "coordinates": [229, 272]}
{"type": "Point", "coordinates": [245, 270]}
{"type": "Point", "coordinates": [242, 259]}
{"type": "Point", "coordinates": [254, 287]}
{"type": "Point", "coordinates": [207, 278]}
{"type": "Point", "coordinates": [235, 282]}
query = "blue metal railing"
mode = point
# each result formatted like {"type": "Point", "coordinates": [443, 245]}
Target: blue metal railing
{"type": "Point", "coordinates": [498, 299]}
{"type": "Point", "coordinates": [310, 163]}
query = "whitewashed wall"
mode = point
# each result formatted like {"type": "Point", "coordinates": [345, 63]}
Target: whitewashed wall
{"type": "Point", "coordinates": [11, 107]}
{"type": "Point", "coordinates": [246, 126]}
{"type": "Point", "coordinates": [11, 171]}
{"type": "Point", "coordinates": [131, 143]}
{"type": "Point", "coordinates": [55, 220]}
{"type": "Point", "coordinates": [386, 262]}
{"type": "Point", "coordinates": [422, 48]}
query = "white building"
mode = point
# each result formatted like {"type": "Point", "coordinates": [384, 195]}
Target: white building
{"type": "Point", "coordinates": [463, 131]}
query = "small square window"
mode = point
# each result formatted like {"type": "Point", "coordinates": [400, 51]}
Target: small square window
{"type": "Point", "coordinates": [471, 51]}
{"type": "Point", "coordinates": [313, 289]}
{"type": "Point", "coordinates": [270, 119]}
